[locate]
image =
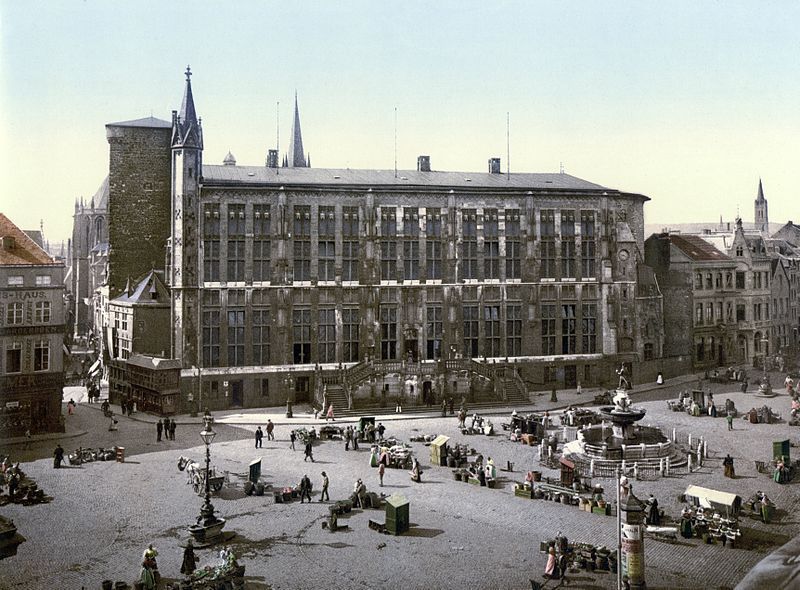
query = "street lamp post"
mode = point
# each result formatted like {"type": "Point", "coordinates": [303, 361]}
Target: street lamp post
{"type": "Point", "coordinates": [208, 527]}
{"type": "Point", "coordinates": [289, 382]}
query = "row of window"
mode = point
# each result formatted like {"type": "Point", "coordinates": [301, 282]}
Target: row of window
{"type": "Point", "coordinates": [400, 260]}
{"type": "Point", "coordinates": [15, 313]}
{"type": "Point", "coordinates": [19, 281]}
{"type": "Point", "coordinates": [710, 281]}
{"type": "Point", "coordinates": [565, 329]}
{"type": "Point", "coordinates": [41, 356]}
{"type": "Point", "coordinates": [712, 312]}
{"type": "Point", "coordinates": [410, 220]}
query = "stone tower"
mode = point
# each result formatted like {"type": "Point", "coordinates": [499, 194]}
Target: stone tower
{"type": "Point", "coordinates": [761, 211]}
{"type": "Point", "coordinates": [138, 198]}
{"type": "Point", "coordinates": [187, 163]}
{"type": "Point", "coordinates": [296, 158]}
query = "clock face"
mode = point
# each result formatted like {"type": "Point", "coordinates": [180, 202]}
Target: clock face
{"type": "Point", "coordinates": [623, 255]}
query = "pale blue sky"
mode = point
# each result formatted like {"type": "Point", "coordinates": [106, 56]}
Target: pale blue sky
{"type": "Point", "coordinates": [686, 102]}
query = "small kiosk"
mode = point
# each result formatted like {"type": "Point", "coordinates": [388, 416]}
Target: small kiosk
{"type": "Point", "coordinates": [439, 450]}
{"type": "Point", "coordinates": [397, 514]}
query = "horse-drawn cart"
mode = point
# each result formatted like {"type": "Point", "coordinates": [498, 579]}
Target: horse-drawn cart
{"type": "Point", "coordinates": [196, 476]}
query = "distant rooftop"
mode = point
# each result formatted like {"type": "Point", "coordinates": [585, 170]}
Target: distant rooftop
{"type": "Point", "coordinates": [697, 248]}
{"type": "Point", "coordinates": [17, 248]}
{"type": "Point", "coordinates": [262, 175]}
{"type": "Point", "coordinates": [145, 122]}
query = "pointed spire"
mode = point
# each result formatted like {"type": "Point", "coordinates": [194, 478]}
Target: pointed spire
{"type": "Point", "coordinates": [760, 196]}
{"type": "Point", "coordinates": [187, 130]}
{"type": "Point", "coordinates": [296, 155]}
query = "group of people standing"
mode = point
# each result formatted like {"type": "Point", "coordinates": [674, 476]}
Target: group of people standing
{"type": "Point", "coordinates": [165, 427]}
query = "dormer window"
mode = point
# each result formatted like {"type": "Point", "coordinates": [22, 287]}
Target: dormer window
{"type": "Point", "coordinates": [739, 251]}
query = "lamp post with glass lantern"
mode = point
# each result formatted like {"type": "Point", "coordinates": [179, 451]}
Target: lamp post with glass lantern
{"type": "Point", "coordinates": [208, 526]}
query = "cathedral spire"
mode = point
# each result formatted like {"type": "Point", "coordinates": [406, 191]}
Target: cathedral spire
{"type": "Point", "coordinates": [186, 128]}
{"type": "Point", "coordinates": [297, 157]}
{"type": "Point", "coordinates": [761, 210]}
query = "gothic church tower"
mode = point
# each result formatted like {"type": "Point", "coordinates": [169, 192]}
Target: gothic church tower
{"type": "Point", "coordinates": [761, 211]}
{"type": "Point", "coordinates": [187, 163]}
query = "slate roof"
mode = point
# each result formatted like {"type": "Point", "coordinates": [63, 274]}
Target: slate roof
{"type": "Point", "coordinates": [144, 122]}
{"type": "Point", "coordinates": [100, 198]}
{"type": "Point", "coordinates": [696, 248]}
{"type": "Point", "coordinates": [36, 236]}
{"type": "Point", "coordinates": [153, 362]}
{"type": "Point", "coordinates": [25, 250]}
{"type": "Point", "coordinates": [141, 293]}
{"type": "Point", "coordinates": [216, 175]}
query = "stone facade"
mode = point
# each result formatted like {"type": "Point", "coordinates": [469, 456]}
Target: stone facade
{"type": "Point", "coordinates": [283, 280]}
{"type": "Point", "coordinates": [700, 290]}
{"type": "Point", "coordinates": [32, 328]}
{"type": "Point", "coordinates": [139, 198]}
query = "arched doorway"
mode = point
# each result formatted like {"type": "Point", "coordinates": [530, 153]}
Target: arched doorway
{"type": "Point", "coordinates": [741, 345]}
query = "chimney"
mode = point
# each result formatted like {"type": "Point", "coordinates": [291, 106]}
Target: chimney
{"type": "Point", "coordinates": [9, 243]}
{"type": "Point", "coordinates": [272, 158]}
{"type": "Point", "coordinates": [494, 165]}
{"type": "Point", "coordinates": [423, 163]}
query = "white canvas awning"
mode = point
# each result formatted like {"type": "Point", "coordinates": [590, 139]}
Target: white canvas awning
{"type": "Point", "coordinates": [95, 368]}
{"type": "Point", "coordinates": [707, 497]}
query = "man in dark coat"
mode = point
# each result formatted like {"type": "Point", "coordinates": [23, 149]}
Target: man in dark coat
{"type": "Point", "coordinates": [308, 452]}
{"type": "Point", "coordinates": [305, 489]}
{"type": "Point", "coordinates": [259, 437]}
{"type": "Point", "coordinates": [270, 428]}
{"type": "Point", "coordinates": [172, 429]}
{"type": "Point", "coordinates": [159, 430]}
{"type": "Point", "coordinates": [58, 457]}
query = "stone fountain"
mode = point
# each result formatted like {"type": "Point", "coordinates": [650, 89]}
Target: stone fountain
{"type": "Point", "coordinates": [619, 441]}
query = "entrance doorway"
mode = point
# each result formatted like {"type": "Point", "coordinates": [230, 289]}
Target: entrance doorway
{"type": "Point", "coordinates": [570, 376]}
{"type": "Point", "coordinates": [427, 393]}
{"type": "Point", "coordinates": [237, 394]}
{"type": "Point", "coordinates": [301, 388]}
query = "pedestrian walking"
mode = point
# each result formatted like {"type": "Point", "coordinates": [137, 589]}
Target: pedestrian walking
{"type": "Point", "coordinates": [292, 438]}
{"type": "Point", "coordinates": [114, 422]}
{"type": "Point", "coordinates": [58, 457]}
{"type": "Point", "coordinates": [381, 430]}
{"type": "Point", "coordinates": [309, 453]}
{"type": "Point", "coordinates": [259, 437]}
{"type": "Point", "coordinates": [189, 559]}
{"type": "Point", "coordinates": [355, 439]}
{"type": "Point", "coordinates": [27, 438]}
{"type": "Point", "coordinates": [159, 430]}
{"type": "Point", "coordinates": [329, 415]}
{"type": "Point", "coordinates": [305, 489]}
{"type": "Point", "coordinates": [729, 418]}
{"type": "Point", "coordinates": [270, 428]}
{"type": "Point", "coordinates": [172, 426]}
{"type": "Point", "coordinates": [324, 494]}
{"type": "Point", "coordinates": [444, 407]}
{"type": "Point", "coordinates": [381, 471]}
{"type": "Point", "coordinates": [450, 405]}
{"type": "Point", "coordinates": [348, 436]}
{"type": "Point", "coordinates": [70, 406]}
{"type": "Point", "coordinates": [727, 463]}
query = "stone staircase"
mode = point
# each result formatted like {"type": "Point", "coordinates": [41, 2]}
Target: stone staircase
{"type": "Point", "coordinates": [336, 395]}
{"type": "Point", "coordinates": [514, 394]}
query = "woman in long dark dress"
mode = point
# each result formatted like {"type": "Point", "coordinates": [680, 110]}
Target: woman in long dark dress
{"type": "Point", "coordinates": [189, 559]}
